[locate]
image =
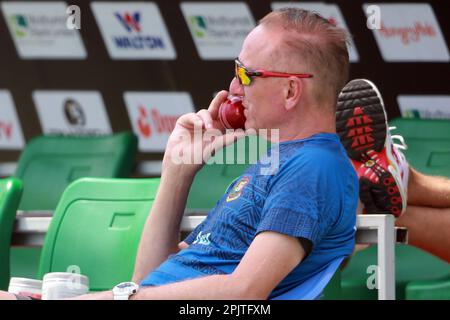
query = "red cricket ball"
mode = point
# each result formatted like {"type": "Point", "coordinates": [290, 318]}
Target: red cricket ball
{"type": "Point", "coordinates": [231, 113]}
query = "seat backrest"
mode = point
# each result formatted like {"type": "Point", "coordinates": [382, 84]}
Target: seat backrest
{"type": "Point", "coordinates": [227, 164]}
{"type": "Point", "coordinates": [10, 193]}
{"type": "Point", "coordinates": [312, 288]}
{"type": "Point", "coordinates": [49, 164]}
{"type": "Point", "coordinates": [428, 144]}
{"type": "Point", "coordinates": [96, 229]}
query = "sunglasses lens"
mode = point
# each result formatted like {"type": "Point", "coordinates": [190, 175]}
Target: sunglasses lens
{"type": "Point", "coordinates": [242, 76]}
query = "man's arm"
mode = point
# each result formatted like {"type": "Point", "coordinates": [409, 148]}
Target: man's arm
{"type": "Point", "coordinates": [161, 231]}
{"type": "Point", "coordinates": [160, 236]}
{"type": "Point", "coordinates": [269, 259]}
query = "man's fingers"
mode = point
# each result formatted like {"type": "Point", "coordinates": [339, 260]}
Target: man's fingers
{"type": "Point", "coordinates": [206, 118]}
{"type": "Point", "coordinates": [216, 102]}
{"type": "Point", "coordinates": [222, 141]}
{"type": "Point", "coordinates": [190, 120]}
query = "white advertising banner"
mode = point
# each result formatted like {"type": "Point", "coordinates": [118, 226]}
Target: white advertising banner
{"type": "Point", "coordinates": [409, 32]}
{"type": "Point", "coordinates": [133, 30]}
{"type": "Point", "coordinates": [11, 136]}
{"type": "Point", "coordinates": [153, 116]}
{"type": "Point", "coordinates": [218, 29]}
{"type": "Point", "coordinates": [39, 30]}
{"type": "Point", "coordinates": [425, 106]}
{"type": "Point", "coordinates": [71, 112]}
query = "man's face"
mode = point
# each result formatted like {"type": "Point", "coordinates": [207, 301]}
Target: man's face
{"type": "Point", "coordinates": [263, 98]}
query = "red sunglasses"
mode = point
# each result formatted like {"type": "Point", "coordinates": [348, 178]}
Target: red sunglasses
{"type": "Point", "coordinates": [245, 75]}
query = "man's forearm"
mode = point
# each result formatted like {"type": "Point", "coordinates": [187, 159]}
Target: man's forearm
{"type": "Point", "coordinates": [215, 287]}
{"type": "Point", "coordinates": [161, 232]}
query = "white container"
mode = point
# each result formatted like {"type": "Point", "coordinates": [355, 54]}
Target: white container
{"type": "Point", "coordinates": [26, 287]}
{"type": "Point", "coordinates": [62, 285]}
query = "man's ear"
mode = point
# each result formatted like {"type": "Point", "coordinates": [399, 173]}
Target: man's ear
{"type": "Point", "coordinates": [293, 92]}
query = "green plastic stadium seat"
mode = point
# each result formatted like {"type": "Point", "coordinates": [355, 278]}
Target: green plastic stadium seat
{"type": "Point", "coordinates": [48, 164]}
{"type": "Point", "coordinates": [429, 290]}
{"type": "Point", "coordinates": [429, 152]}
{"type": "Point", "coordinates": [428, 144]}
{"type": "Point", "coordinates": [412, 264]}
{"type": "Point", "coordinates": [10, 193]}
{"type": "Point", "coordinates": [97, 228]}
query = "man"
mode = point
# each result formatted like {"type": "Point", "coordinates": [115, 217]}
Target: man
{"type": "Point", "coordinates": [282, 228]}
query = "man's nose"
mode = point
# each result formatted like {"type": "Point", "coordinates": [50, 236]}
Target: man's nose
{"type": "Point", "coordinates": [236, 88]}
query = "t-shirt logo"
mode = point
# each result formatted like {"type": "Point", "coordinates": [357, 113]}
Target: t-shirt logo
{"type": "Point", "coordinates": [237, 189]}
{"type": "Point", "coordinates": [202, 239]}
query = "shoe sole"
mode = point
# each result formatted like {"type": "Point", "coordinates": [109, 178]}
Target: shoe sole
{"type": "Point", "coordinates": [361, 119]}
{"type": "Point", "coordinates": [361, 125]}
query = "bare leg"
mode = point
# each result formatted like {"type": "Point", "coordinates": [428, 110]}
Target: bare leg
{"type": "Point", "coordinates": [429, 229]}
{"type": "Point", "coordinates": [428, 191]}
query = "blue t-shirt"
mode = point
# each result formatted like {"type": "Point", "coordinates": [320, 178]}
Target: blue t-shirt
{"type": "Point", "coordinates": [313, 195]}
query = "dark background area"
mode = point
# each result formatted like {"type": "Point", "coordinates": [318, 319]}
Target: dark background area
{"type": "Point", "coordinates": [189, 72]}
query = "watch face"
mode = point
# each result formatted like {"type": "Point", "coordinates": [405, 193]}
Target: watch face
{"type": "Point", "coordinates": [126, 288]}
{"type": "Point", "coordinates": [125, 285]}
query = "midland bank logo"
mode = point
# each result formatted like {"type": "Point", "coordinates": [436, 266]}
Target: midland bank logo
{"type": "Point", "coordinates": [151, 121]}
{"type": "Point", "coordinates": [408, 34]}
{"type": "Point", "coordinates": [135, 40]}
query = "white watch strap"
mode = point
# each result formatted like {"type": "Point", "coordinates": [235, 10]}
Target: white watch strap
{"type": "Point", "coordinates": [121, 297]}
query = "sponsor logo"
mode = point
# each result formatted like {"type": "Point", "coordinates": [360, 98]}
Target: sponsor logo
{"type": "Point", "coordinates": [39, 30]}
{"type": "Point", "coordinates": [71, 112]}
{"type": "Point", "coordinates": [202, 239]}
{"type": "Point", "coordinates": [6, 128]}
{"type": "Point", "coordinates": [19, 24]}
{"type": "Point", "coordinates": [130, 22]}
{"type": "Point", "coordinates": [10, 131]}
{"type": "Point", "coordinates": [143, 123]}
{"type": "Point", "coordinates": [153, 116]}
{"type": "Point", "coordinates": [198, 24]}
{"type": "Point", "coordinates": [409, 32]}
{"type": "Point", "coordinates": [218, 29]}
{"type": "Point", "coordinates": [74, 113]}
{"type": "Point", "coordinates": [237, 189]}
{"type": "Point", "coordinates": [133, 30]}
{"type": "Point", "coordinates": [132, 25]}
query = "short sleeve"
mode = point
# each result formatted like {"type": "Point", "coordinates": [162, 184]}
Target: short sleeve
{"type": "Point", "coordinates": [296, 200]}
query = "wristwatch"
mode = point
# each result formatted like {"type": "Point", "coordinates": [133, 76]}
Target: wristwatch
{"type": "Point", "coordinates": [124, 290]}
